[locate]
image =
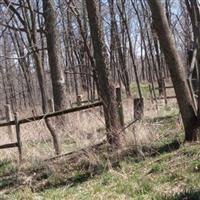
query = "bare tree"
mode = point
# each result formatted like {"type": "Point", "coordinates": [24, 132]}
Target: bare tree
{"type": "Point", "coordinates": [53, 47]}
{"type": "Point", "coordinates": [105, 84]}
{"type": "Point", "coordinates": [176, 69]}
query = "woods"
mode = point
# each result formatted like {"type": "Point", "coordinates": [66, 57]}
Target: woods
{"type": "Point", "coordinates": [177, 71]}
{"type": "Point", "coordinates": [93, 83]}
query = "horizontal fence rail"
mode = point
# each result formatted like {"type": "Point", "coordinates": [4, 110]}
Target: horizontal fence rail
{"type": "Point", "coordinates": [11, 145]}
{"type": "Point", "coordinates": [80, 107]}
{"type": "Point", "coordinates": [17, 123]}
{"type": "Point", "coordinates": [166, 87]}
{"type": "Point", "coordinates": [53, 114]}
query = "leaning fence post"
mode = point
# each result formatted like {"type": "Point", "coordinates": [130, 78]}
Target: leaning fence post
{"type": "Point", "coordinates": [119, 105]}
{"type": "Point", "coordinates": [18, 135]}
{"type": "Point", "coordinates": [9, 117]}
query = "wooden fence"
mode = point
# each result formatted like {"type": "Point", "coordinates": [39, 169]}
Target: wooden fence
{"type": "Point", "coordinates": [80, 106]}
{"type": "Point", "coordinates": [17, 122]}
{"type": "Point", "coordinates": [154, 96]}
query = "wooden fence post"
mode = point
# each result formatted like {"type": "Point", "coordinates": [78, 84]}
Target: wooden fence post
{"type": "Point", "coordinates": [101, 111]}
{"type": "Point", "coordinates": [151, 95]}
{"type": "Point", "coordinates": [165, 95]}
{"type": "Point", "coordinates": [51, 105]}
{"type": "Point", "coordinates": [51, 126]}
{"type": "Point", "coordinates": [119, 105]}
{"type": "Point", "coordinates": [79, 100]}
{"type": "Point", "coordinates": [70, 103]}
{"type": "Point", "coordinates": [1, 114]}
{"type": "Point", "coordinates": [18, 135]}
{"type": "Point", "coordinates": [138, 108]}
{"type": "Point", "coordinates": [9, 117]}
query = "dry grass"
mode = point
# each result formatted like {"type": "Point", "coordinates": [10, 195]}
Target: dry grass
{"type": "Point", "coordinates": [80, 130]}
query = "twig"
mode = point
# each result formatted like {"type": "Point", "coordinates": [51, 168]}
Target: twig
{"type": "Point", "coordinates": [128, 125]}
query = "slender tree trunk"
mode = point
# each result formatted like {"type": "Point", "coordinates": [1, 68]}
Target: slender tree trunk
{"type": "Point", "coordinates": [53, 47]}
{"type": "Point", "coordinates": [131, 52]}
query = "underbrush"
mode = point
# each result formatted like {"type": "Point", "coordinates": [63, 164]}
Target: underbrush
{"type": "Point", "coordinates": [155, 164]}
{"type": "Point", "coordinates": [170, 176]}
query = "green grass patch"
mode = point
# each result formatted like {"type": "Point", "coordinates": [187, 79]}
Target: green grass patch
{"type": "Point", "coordinates": [144, 88]}
{"type": "Point", "coordinates": [7, 168]}
{"type": "Point", "coordinates": [171, 172]}
{"type": "Point", "coordinates": [164, 176]}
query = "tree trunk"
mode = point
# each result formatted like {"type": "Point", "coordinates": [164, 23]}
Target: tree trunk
{"type": "Point", "coordinates": [57, 74]}
{"type": "Point", "coordinates": [107, 92]}
{"type": "Point", "coordinates": [176, 69]}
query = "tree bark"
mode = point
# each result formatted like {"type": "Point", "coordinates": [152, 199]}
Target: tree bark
{"type": "Point", "coordinates": [53, 47]}
{"type": "Point", "coordinates": [107, 92]}
{"type": "Point", "coordinates": [176, 69]}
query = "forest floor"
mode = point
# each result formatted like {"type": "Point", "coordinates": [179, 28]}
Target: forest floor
{"type": "Point", "coordinates": [168, 169]}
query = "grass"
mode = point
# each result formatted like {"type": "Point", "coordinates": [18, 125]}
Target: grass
{"type": "Point", "coordinates": [144, 88]}
{"type": "Point", "coordinates": [167, 176]}
{"type": "Point", "coordinates": [169, 169]}
{"type": "Point", "coordinates": [6, 168]}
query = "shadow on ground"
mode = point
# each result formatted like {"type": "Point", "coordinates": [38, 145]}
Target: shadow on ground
{"type": "Point", "coordinates": [89, 172]}
{"type": "Point", "coordinates": [191, 195]}
{"type": "Point", "coordinates": [167, 148]}
{"type": "Point", "coordinates": [11, 179]}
